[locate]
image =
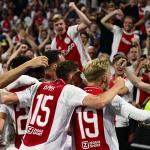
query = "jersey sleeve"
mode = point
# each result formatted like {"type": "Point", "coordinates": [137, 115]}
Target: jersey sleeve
{"type": "Point", "coordinates": [127, 110]}
{"type": "Point", "coordinates": [22, 81]}
{"type": "Point", "coordinates": [25, 96]}
{"type": "Point", "coordinates": [116, 29]}
{"type": "Point", "coordinates": [73, 31]}
{"type": "Point", "coordinates": [53, 44]}
{"type": "Point", "coordinates": [129, 85]}
{"type": "Point", "coordinates": [4, 109]}
{"type": "Point", "coordinates": [73, 96]}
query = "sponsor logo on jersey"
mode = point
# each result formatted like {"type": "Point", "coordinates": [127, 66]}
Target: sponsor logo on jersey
{"type": "Point", "coordinates": [87, 144]}
{"type": "Point", "coordinates": [32, 130]}
{"type": "Point", "coordinates": [69, 48]}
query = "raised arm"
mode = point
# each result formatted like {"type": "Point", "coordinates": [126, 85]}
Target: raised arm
{"type": "Point", "coordinates": [85, 22]}
{"type": "Point", "coordinates": [106, 97]}
{"type": "Point", "coordinates": [105, 19]}
{"type": "Point", "coordinates": [2, 121]}
{"type": "Point", "coordinates": [136, 81]}
{"type": "Point", "coordinates": [8, 97]}
{"type": "Point", "coordinates": [129, 111]}
{"type": "Point", "coordinates": [148, 41]}
{"type": "Point", "coordinates": [13, 74]}
{"type": "Point", "coordinates": [133, 78]}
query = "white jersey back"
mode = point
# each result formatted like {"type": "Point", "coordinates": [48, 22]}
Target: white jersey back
{"type": "Point", "coordinates": [51, 109]}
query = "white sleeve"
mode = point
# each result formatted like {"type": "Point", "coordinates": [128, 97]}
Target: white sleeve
{"type": "Point", "coordinates": [23, 80]}
{"type": "Point", "coordinates": [72, 96]}
{"type": "Point", "coordinates": [129, 111]}
{"type": "Point", "coordinates": [53, 44]}
{"type": "Point", "coordinates": [73, 31]}
{"type": "Point", "coordinates": [116, 29]}
{"type": "Point", "coordinates": [25, 96]}
{"type": "Point", "coordinates": [4, 109]}
{"type": "Point", "coordinates": [129, 85]}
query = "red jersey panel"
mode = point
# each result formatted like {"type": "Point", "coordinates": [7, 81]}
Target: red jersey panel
{"type": "Point", "coordinates": [21, 116]}
{"type": "Point", "coordinates": [42, 113]}
{"type": "Point", "coordinates": [88, 126]}
{"type": "Point", "coordinates": [143, 95]}
{"type": "Point", "coordinates": [125, 42]}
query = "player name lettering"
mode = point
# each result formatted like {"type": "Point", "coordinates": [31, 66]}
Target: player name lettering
{"type": "Point", "coordinates": [48, 88]}
{"type": "Point", "coordinates": [32, 130]}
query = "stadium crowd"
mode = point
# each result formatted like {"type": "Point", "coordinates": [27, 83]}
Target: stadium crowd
{"type": "Point", "coordinates": [74, 74]}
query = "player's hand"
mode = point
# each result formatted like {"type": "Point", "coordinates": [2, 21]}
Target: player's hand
{"type": "Point", "coordinates": [37, 62]}
{"type": "Point", "coordinates": [72, 5]}
{"type": "Point", "coordinates": [119, 82]}
{"type": "Point", "coordinates": [3, 92]}
{"type": "Point", "coordinates": [122, 63]}
{"type": "Point", "coordinates": [23, 48]}
{"type": "Point", "coordinates": [119, 12]}
{"type": "Point", "coordinates": [148, 31]}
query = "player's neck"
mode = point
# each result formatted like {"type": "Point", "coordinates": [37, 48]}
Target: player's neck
{"type": "Point", "coordinates": [96, 84]}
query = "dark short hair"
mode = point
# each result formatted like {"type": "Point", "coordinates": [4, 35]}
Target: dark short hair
{"type": "Point", "coordinates": [65, 68]}
{"type": "Point", "coordinates": [53, 56]}
{"type": "Point", "coordinates": [33, 72]}
{"type": "Point", "coordinates": [17, 61]}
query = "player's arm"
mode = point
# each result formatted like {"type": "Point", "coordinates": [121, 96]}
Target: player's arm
{"type": "Point", "coordinates": [13, 74]}
{"type": "Point", "coordinates": [129, 111]}
{"type": "Point", "coordinates": [123, 91]}
{"type": "Point", "coordinates": [106, 97]}
{"type": "Point", "coordinates": [148, 41]}
{"type": "Point", "coordinates": [105, 19]}
{"type": "Point", "coordinates": [126, 89]}
{"type": "Point", "coordinates": [137, 82]}
{"type": "Point", "coordinates": [2, 121]}
{"type": "Point", "coordinates": [22, 97]}
{"type": "Point", "coordinates": [85, 22]}
{"type": "Point", "coordinates": [8, 97]}
{"type": "Point", "coordinates": [134, 79]}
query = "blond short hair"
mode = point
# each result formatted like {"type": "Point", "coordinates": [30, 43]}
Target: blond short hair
{"type": "Point", "coordinates": [95, 68]}
{"type": "Point", "coordinates": [56, 17]}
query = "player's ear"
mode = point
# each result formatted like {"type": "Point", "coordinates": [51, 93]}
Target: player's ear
{"type": "Point", "coordinates": [54, 66]}
{"type": "Point", "coordinates": [104, 78]}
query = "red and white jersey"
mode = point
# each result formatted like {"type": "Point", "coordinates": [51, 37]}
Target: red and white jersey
{"type": "Point", "coordinates": [7, 130]}
{"type": "Point", "coordinates": [72, 47]}
{"type": "Point", "coordinates": [88, 126]}
{"type": "Point", "coordinates": [121, 40]}
{"type": "Point", "coordinates": [21, 83]}
{"type": "Point", "coordinates": [18, 112]}
{"type": "Point", "coordinates": [51, 109]}
{"type": "Point", "coordinates": [19, 117]}
{"type": "Point", "coordinates": [121, 121]}
{"type": "Point", "coordinates": [141, 95]}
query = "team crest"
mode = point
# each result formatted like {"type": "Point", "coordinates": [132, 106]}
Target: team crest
{"type": "Point", "coordinates": [67, 40]}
